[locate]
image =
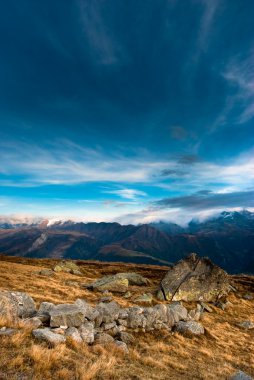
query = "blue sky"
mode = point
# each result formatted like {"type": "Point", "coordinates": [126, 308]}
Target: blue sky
{"type": "Point", "coordinates": [126, 110]}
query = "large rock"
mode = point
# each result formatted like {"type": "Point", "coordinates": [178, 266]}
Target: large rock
{"type": "Point", "coordinates": [107, 313]}
{"type": "Point", "coordinates": [103, 338]}
{"type": "Point", "coordinates": [69, 315]}
{"type": "Point", "coordinates": [189, 328]}
{"type": "Point", "coordinates": [90, 312]}
{"type": "Point", "coordinates": [16, 305]}
{"type": "Point", "coordinates": [194, 279]}
{"type": "Point", "coordinates": [48, 336]}
{"type": "Point", "coordinates": [87, 332]}
{"type": "Point", "coordinates": [111, 283]}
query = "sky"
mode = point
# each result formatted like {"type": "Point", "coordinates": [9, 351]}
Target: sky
{"type": "Point", "coordinates": [128, 111]}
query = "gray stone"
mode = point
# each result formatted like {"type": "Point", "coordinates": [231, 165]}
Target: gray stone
{"type": "Point", "coordinates": [247, 325]}
{"type": "Point", "coordinates": [177, 312]}
{"type": "Point", "coordinates": [122, 346]}
{"type": "Point", "coordinates": [5, 331]}
{"type": "Point", "coordinates": [90, 312]}
{"type": "Point", "coordinates": [103, 338]}
{"type": "Point", "coordinates": [34, 322]}
{"type": "Point", "coordinates": [16, 304]}
{"type": "Point", "coordinates": [248, 297]}
{"type": "Point", "coordinates": [145, 298]}
{"type": "Point", "coordinates": [194, 279]}
{"type": "Point", "coordinates": [106, 299]}
{"type": "Point", "coordinates": [240, 375]}
{"type": "Point", "coordinates": [206, 307]}
{"type": "Point", "coordinates": [74, 334]}
{"type": "Point", "coordinates": [66, 315]}
{"type": "Point", "coordinates": [108, 312]}
{"type": "Point", "coordinates": [125, 337]}
{"type": "Point", "coordinates": [108, 326]}
{"type": "Point", "coordinates": [87, 332]}
{"type": "Point", "coordinates": [189, 328]}
{"type": "Point", "coordinates": [136, 318]}
{"type": "Point", "coordinates": [45, 307]}
{"type": "Point", "coordinates": [48, 336]}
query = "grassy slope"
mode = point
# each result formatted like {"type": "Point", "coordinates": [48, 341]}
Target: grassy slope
{"type": "Point", "coordinates": [224, 348]}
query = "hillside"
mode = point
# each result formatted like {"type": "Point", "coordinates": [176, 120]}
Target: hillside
{"type": "Point", "coordinates": [224, 348]}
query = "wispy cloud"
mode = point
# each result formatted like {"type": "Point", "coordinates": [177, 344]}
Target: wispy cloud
{"type": "Point", "coordinates": [132, 194]}
{"type": "Point", "coordinates": [106, 49]}
{"type": "Point", "coordinates": [240, 75]}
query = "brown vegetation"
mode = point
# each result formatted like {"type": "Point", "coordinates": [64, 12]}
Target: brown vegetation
{"type": "Point", "coordinates": [223, 349]}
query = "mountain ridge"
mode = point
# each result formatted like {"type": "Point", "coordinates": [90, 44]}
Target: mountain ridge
{"type": "Point", "coordinates": [227, 239]}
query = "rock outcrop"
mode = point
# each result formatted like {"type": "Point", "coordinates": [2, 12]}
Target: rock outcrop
{"type": "Point", "coordinates": [113, 284]}
{"type": "Point", "coordinates": [194, 279]}
{"type": "Point", "coordinates": [16, 305]}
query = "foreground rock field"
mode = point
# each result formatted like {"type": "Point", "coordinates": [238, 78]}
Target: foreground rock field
{"type": "Point", "coordinates": [91, 320]}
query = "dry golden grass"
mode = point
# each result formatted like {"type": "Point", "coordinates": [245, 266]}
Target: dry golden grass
{"type": "Point", "coordinates": [223, 349]}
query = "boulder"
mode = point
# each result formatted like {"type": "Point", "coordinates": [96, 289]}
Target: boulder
{"type": "Point", "coordinates": [69, 315]}
{"type": "Point", "coordinates": [34, 322]}
{"type": "Point", "coordinates": [240, 375]}
{"type": "Point", "coordinates": [189, 328]}
{"type": "Point", "coordinates": [74, 334]}
{"type": "Point", "coordinates": [194, 279]}
{"type": "Point", "coordinates": [87, 332]}
{"type": "Point", "coordinates": [108, 312]}
{"type": "Point", "coordinates": [111, 283]}
{"type": "Point", "coordinates": [48, 336]}
{"type": "Point", "coordinates": [16, 304]}
{"type": "Point", "coordinates": [103, 338]}
{"type": "Point", "coordinates": [90, 312]}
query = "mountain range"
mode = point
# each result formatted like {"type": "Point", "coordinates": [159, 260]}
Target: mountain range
{"type": "Point", "coordinates": [228, 239]}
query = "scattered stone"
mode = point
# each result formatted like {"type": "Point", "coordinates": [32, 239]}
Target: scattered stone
{"type": "Point", "coordinates": [67, 267]}
{"type": "Point", "coordinates": [46, 272]}
{"type": "Point", "coordinates": [122, 346]}
{"type": "Point", "coordinates": [127, 295]}
{"type": "Point", "coordinates": [240, 375]}
{"type": "Point", "coordinates": [133, 278]}
{"type": "Point", "coordinates": [5, 331]}
{"type": "Point", "coordinates": [66, 315]}
{"type": "Point", "coordinates": [189, 328]}
{"type": "Point", "coordinates": [103, 338]}
{"type": "Point", "coordinates": [223, 305]}
{"type": "Point", "coordinates": [125, 337]}
{"type": "Point", "coordinates": [108, 312]}
{"type": "Point", "coordinates": [247, 325]}
{"type": "Point", "coordinates": [16, 305]}
{"type": "Point", "coordinates": [48, 336]}
{"type": "Point", "coordinates": [72, 283]}
{"type": "Point", "coordinates": [73, 333]}
{"type": "Point", "coordinates": [145, 298]}
{"type": "Point", "coordinates": [86, 331]}
{"type": "Point", "coordinates": [45, 307]}
{"type": "Point", "coordinates": [206, 307]}
{"type": "Point", "coordinates": [248, 297]}
{"type": "Point", "coordinates": [194, 279]}
{"type": "Point", "coordinates": [111, 283]}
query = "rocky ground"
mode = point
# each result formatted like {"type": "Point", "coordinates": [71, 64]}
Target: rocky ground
{"type": "Point", "coordinates": [116, 327]}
